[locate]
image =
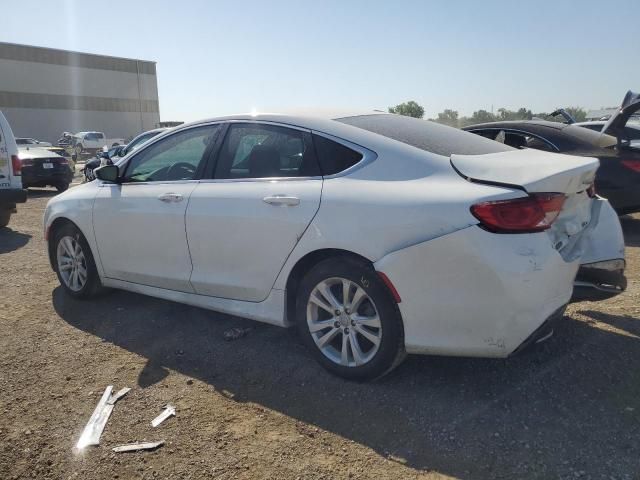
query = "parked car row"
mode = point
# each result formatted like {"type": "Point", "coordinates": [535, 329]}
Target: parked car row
{"type": "Point", "coordinates": [115, 153]}
{"type": "Point", "coordinates": [616, 145]}
{"type": "Point", "coordinates": [376, 235]}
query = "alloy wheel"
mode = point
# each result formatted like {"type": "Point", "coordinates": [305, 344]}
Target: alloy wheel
{"type": "Point", "coordinates": [72, 263]}
{"type": "Point", "coordinates": [344, 322]}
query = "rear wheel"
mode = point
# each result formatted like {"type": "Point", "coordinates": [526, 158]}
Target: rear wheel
{"type": "Point", "coordinates": [5, 216]}
{"type": "Point", "coordinates": [349, 320]}
{"type": "Point", "coordinates": [74, 263]}
{"type": "Point", "coordinates": [61, 187]}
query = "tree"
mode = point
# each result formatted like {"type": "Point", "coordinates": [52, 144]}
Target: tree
{"type": "Point", "coordinates": [578, 113]}
{"type": "Point", "coordinates": [482, 116]}
{"type": "Point", "coordinates": [408, 109]}
{"type": "Point", "coordinates": [448, 117]}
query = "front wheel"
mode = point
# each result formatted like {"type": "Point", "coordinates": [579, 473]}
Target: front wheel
{"type": "Point", "coordinates": [349, 320]}
{"type": "Point", "coordinates": [74, 263]}
{"type": "Point", "coordinates": [61, 187]}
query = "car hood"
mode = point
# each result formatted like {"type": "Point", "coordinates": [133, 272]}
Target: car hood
{"type": "Point", "coordinates": [35, 152]}
{"type": "Point", "coordinates": [615, 125]}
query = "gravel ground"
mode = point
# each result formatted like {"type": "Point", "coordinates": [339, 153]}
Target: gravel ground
{"type": "Point", "coordinates": [260, 407]}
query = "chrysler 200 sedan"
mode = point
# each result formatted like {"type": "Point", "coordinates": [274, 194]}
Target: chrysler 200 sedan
{"type": "Point", "coordinates": [376, 235]}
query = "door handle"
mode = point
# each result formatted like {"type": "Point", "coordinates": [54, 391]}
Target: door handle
{"type": "Point", "coordinates": [287, 200]}
{"type": "Point", "coordinates": [170, 197]}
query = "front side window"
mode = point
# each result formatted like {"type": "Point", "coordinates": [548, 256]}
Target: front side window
{"type": "Point", "coordinates": [176, 157]}
{"type": "Point", "coordinates": [253, 150]}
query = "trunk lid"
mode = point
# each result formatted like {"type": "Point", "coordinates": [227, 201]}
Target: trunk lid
{"type": "Point", "coordinates": [616, 124]}
{"type": "Point", "coordinates": [529, 170]}
{"type": "Point", "coordinates": [535, 171]}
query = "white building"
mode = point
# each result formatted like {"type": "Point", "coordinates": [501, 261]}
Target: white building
{"type": "Point", "coordinates": [44, 92]}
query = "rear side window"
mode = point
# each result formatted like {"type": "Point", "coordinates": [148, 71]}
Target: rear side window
{"type": "Point", "coordinates": [425, 135]}
{"type": "Point", "coordinates": [333, 156]}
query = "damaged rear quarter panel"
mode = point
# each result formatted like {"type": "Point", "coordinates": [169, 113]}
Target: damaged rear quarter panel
{"type": "Point", "coordinates": [475, 293]}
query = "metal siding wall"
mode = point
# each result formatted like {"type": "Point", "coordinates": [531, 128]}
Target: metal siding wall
{"type": "Point", "coordinates": [44, 92]}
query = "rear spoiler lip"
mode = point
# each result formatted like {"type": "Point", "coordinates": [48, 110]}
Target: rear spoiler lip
{"type": "Point", "coordinates": [487, 182]}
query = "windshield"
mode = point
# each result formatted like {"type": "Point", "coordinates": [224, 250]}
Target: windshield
{"type": "Point", "coordinates": [136, 142]}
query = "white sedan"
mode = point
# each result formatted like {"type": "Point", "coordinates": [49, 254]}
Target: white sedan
{"type": "Point", "coordinates": [376, 235]}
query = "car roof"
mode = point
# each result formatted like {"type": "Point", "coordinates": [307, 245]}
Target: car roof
{"type": "Point", "coordinates": [318, 120]}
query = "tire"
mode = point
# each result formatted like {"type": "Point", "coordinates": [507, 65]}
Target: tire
{"type": "Point", "coordinates": [61, 187]}
{"type": "Point", "coordinates": [5, 216]}
{"type": "Point", "coordinates": [66, 239]}
{"type": "Point", "coordinates": [89, 176]}
{"type": "Point", "coordinates": [377, 315]}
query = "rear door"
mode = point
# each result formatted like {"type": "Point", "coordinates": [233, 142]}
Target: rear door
{"type": "Point", "coordinates": [243, 223]}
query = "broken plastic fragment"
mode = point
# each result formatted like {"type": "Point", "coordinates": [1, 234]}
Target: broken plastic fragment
{"type": "Point", "coordinates": [117, 396]}
{"type": "Point", "coordinates": [95, 425]}
{"type": "Point", "coordinates": [134, 447]}
{"type": "Point", "coordinates": [169, 410]}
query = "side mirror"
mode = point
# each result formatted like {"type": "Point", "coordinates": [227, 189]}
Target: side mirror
{"type": "Point", "coordinates": [107, 173]}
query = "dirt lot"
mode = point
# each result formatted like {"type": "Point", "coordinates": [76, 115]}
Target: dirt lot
{"type": "Point", "coordinates": [259, 407]}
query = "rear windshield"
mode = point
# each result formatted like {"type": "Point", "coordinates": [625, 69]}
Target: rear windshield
{"type": "Point", "coordinates": [425, 135]}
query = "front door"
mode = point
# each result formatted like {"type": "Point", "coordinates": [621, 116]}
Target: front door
{"type": "Point", "coordinates": [139, 223]}
{"type": "Point", "coordinates": [244, 222]}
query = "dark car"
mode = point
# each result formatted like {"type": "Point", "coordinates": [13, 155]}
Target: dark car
{"type": "Point", "coordinates": [41, 168]}
{"type": "Point", "coordinates": [618, 178]}
{"type": "Point", "coordinates": [115, 153]}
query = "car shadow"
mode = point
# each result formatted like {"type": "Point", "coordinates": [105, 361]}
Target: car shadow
{"type": "Point", "coordinates": [562, 405]}
{"type": "Point", "coordinates": [11, 240]}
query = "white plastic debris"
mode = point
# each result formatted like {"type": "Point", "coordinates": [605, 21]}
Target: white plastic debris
{"type": "Point", "coordinates": [169, 410]}
{"type": "Point", "coordinates": [94, 428]}
{"type": "Point", "coordinates": [91, 433]}
{"type": "Point", "coordinates": [134, 447]}
{"type": "Point", "coordinates": [117, 396]}
{"type": "Point", "coordinates": [235, 333]}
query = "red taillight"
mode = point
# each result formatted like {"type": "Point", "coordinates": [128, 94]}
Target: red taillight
{"type": "Point", "coordinates": [632, 165]}
{"type": "Point", "coordinates": [16, 164]}
{"type": "Point", "coordinates": [62, 161]}
{"type": "Point", "coordinates": [534, 213]}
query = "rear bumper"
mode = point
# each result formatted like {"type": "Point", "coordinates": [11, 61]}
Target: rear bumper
{"type": "Point", "coordinates": [11, 196]}
{"type": "Point", "coordinates": [475, 293]}
{"type": "Point", "coordinates": [593, 283]}
{"type": "Point", "coordinates": [543, 332]}
{"type": "Point", "coordinates": [31, 177]}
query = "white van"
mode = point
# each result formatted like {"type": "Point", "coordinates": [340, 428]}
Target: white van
{"type": "Point", "coordinates": [11, 191]}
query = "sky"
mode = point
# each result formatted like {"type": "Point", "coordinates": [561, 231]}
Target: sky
{"type": "Point", "coordinates": [223, 57]}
